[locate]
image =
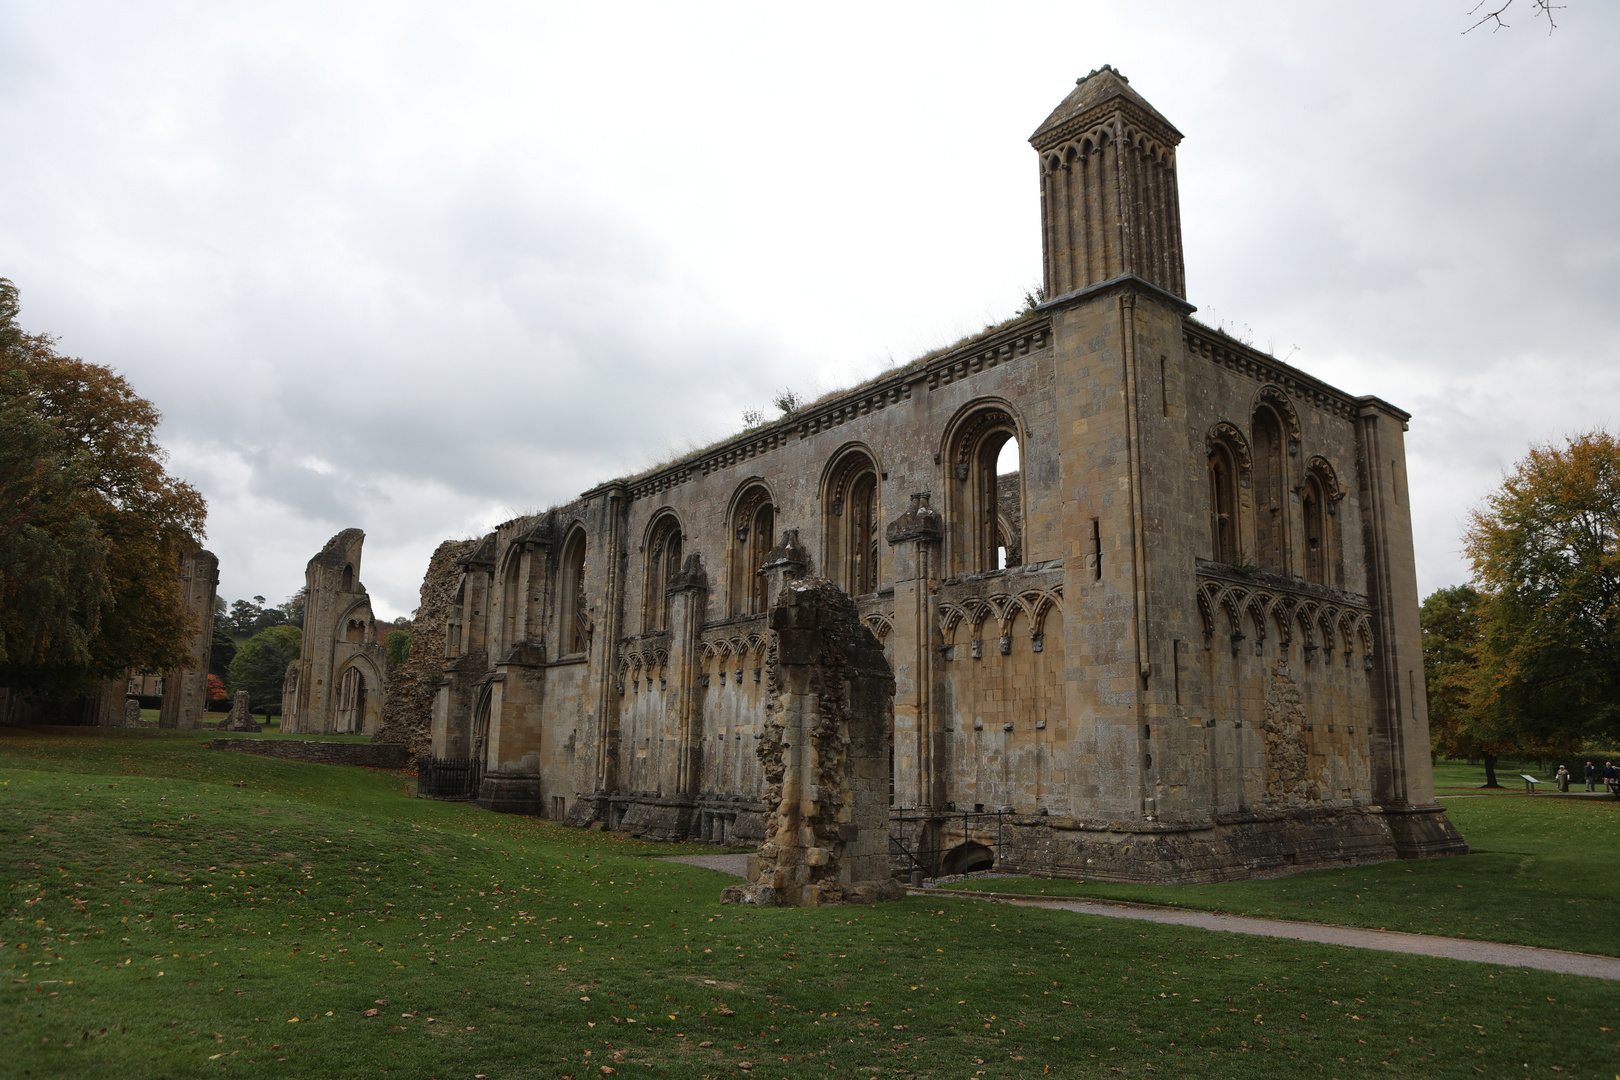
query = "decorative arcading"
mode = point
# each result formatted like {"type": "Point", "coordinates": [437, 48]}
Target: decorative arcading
{"type": "Point", "coordinates": [1033, 604]}
{"type": "Point", "coordinates": [1322, 617]}
{"type": "Point", "coordinates": [1256, 365]}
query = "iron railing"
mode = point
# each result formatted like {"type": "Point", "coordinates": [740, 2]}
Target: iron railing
{"type": "Point", "coordinates": [453, 779]}
{"type": "Point", "coordinates": [918, 838]}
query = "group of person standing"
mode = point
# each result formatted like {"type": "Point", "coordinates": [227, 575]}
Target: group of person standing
{"type": "Point", "coordinates": [1609, 774]}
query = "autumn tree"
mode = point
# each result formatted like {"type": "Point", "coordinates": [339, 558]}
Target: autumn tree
{"type": "Point", "coordinates": [91, 524]}
{"type": "Point", "coordinates": [1451, 645]}
{"type": "Point", "coordinates": [1545, 550]}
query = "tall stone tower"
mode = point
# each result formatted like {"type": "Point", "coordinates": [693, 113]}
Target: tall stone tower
{"type": "Point", "coordinates": [1109, 203]}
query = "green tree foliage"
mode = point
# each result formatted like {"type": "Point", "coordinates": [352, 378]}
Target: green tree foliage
{"type": "Point", "coordinates": [91, 524]}
{"type": "Point", "coordinates": [1451, 637]}
{"type": "Point", "coordinates": [399, 647]}
{"type": "Point", "coordinates": [261, 664]}
{"type": "Point", "coordinates": [222, 651]}
{"type": "Point", "coordinates": [293, 609]}
{"type": "Point", "coordinates": [251, 616]}
{"type": "Point", "coordinates": [1545, 550]}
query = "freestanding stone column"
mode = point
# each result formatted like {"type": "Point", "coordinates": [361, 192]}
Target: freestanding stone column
{"type": "Point", "coordinates": [132, 712]}
{"type": "Point", "coordinates": [241, 718]}
{"type": "Point", "coordinates": [825, 754]}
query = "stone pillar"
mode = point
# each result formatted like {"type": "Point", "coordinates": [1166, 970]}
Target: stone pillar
{"type": "Point", "coordinates": [132, 713]}
{"type": "Point", "coordinates": [825, 755]}
{"type": "Point", "coordinates": [1402, 777]}
{"type": "Point", "coordinates": [689, 596]}
{"type": "Point", "coordinates": [915, 537]}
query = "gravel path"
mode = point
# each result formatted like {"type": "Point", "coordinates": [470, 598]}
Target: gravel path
{"type": "Point", "coordinates": [1485, 952]}
{"type": "Point", "coordinates": [735, 865]}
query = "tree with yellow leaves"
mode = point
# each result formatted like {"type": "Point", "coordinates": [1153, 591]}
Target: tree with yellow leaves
{"type": "Point", "coordinates": [1545, 550]}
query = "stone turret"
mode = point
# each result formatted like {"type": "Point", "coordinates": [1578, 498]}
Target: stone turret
{"type": "Point", "coordinates": [1110, 206]}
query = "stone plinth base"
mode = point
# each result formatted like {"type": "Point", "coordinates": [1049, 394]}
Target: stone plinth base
{"type": "Point", "coordinates": [507, 794]}
{"type": "Point", "coordinates": [1424, 832]}
{"type": "Point", "coordinates": [1232, 846]}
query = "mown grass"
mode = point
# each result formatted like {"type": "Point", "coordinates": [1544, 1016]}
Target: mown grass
{"type": "Point", "coordinates": [1541, 871]}
{"type": "Point", "coordinates": [162, 921]}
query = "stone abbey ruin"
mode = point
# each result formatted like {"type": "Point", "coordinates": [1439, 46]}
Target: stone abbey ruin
{"type": "Point", "coordinates": [1176, 641]}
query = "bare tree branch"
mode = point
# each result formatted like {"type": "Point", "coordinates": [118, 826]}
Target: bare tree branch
{"type": "Point", "coordinates": [1538, 7]}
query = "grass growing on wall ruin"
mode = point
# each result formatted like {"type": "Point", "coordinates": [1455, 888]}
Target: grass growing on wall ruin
{"type": "Point", "coordinates": [161, 921]}
{"type": "Point", "coordinates": [1542, 871]}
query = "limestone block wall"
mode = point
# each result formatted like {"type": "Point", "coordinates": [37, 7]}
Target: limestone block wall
{"type": "Point", "coordinates": [1178, 641]}
{"type": "Point", "coordinates": [185, 688]}
{"type": "Point", "coordinates": [337, 683]}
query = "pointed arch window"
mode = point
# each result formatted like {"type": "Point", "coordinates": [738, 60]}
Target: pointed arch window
{"type": "Point", "coordinates": [512, 600]}
{"type": "Point", "coordinates": [985, 507]}
{"type": "Point", "coordinates": [1270, 499]}
{"type": "Point", "coordinates": [1223, 505]}
{"type": "Point", "coordinates": [1319, 501]}
{"type": "Point", "coordinates": [663, 563]}
{"type": "Point", "coordinates": [573, 620]}
{"type": "Point", "coordinates": [753, 526]}
{"type": "Point", "coordinates": [850, 516]}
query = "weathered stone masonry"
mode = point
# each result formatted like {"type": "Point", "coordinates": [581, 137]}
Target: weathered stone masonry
{"type": "Point", "coordinates": [336, 684]}
{"type": "Point", "coordinates": [1179, 643]}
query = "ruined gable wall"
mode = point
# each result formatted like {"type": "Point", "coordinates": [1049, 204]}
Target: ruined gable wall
{"type": "Point", "coordinates": [335, 598]}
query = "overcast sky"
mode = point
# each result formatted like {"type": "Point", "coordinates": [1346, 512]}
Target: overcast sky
{"type": "Point", "coordinates": [419, 267]}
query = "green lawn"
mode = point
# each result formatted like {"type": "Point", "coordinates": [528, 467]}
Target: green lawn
{"type": "Point", "coordinates": [163, 921]}
{"type": "Point", "coordinates": [1541, 871]}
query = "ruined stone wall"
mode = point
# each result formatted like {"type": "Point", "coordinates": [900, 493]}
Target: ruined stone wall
{"type": "Point", "coordinates": [185, 688]}
{"type": "Point", "coordinates": [824, 755]}
{"type": "Point", "coordinates": [407, 711]}
{"type": "Point", "coordinates": [337, 682]}
{"type": "Point", "coordinates": [1171, 666]}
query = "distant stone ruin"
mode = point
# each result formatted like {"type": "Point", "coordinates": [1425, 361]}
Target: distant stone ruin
{"type": "Point", "coordinates": [241, 718]}
{"type": "Point", "coordinates": [825, 754]}
{"type": "Point", "coordinates": [336, 684]}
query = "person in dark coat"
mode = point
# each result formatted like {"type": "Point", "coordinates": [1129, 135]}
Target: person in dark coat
{"type": "Point", "coordinates": [1591, 774]}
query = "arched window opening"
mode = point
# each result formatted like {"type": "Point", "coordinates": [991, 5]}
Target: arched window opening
{"type": "Point", "coordinates": [663, 563]}
{"type": "Point", "coordinates": [512, 600]}
{"type": "Point", "coordinates": [1270, 506]}
{"type": "Point", "coordinates": [1315, 533]}
{"type": "Point", "coordinates": [985, 507]}
{"type": "Point", "coordinates": [348, 578]}
{"type": "Point", "coordinates": [573, 626]}
{"type": "Point", "coordinates": [1223, 505]}
{"type": "Point", "coordinates": [351, 701]}
{"type": "Point", "coordinates": [753, 526]}
{"type": "Point", "coordinates": [852, 514]}
{"type": "Point", "coordinates": [452, 629]}
{"type": "Point", "coordinates": [1009, 504]}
